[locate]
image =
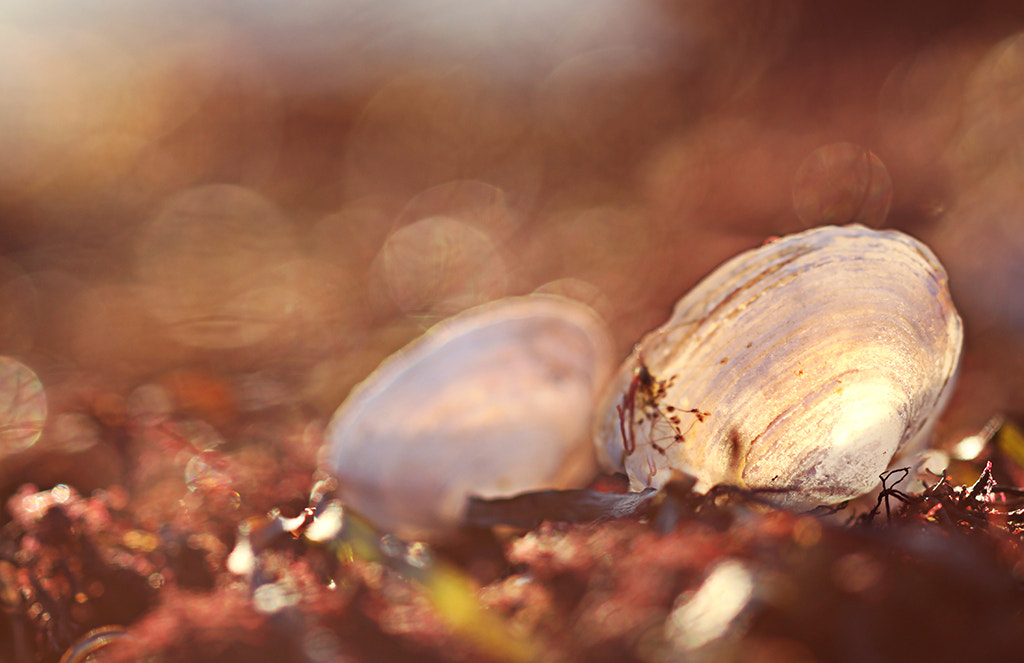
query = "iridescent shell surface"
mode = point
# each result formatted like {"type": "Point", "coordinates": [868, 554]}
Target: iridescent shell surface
{"type": "Point", "coordinates": [803, 366]}
{"type": "Point", "coordinates": [493, 402]}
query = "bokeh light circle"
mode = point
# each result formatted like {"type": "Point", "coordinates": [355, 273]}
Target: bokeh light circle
{"type": "Point", "coordinates": [208, 258]}
{"type": "Point", "coordinates": [439, 266]}
{"type": "Point", "coordinates": [22, 406]}
{"type": "Point", "coordinates": [842, 183]}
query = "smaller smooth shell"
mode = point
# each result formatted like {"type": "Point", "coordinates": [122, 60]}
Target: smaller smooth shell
{"type": "Point", "coordinates": [811, 362]}
{"type": "Point", "coordinates": [493, 402]}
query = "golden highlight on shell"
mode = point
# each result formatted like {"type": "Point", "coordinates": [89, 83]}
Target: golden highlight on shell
{"type": "Point", "coordinates": [804, 366]}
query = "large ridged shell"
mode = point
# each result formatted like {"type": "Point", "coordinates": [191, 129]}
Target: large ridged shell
{"type": "Point", "coordinates": [495, 401]}
{"type": "Point", "coordinates": [804, 365]}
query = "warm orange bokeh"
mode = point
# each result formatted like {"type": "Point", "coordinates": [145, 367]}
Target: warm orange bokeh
{"type": "Point", "coordinates": [300, 190]}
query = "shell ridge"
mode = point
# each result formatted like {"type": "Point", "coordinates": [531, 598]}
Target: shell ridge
{"type": "Point", "coordinates": [820, 356]}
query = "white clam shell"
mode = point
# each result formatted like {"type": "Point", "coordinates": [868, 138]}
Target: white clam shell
{"type": "Point", "coordinates": [812, 361]}
{"type": "Point", "coordinates": [495, 401]}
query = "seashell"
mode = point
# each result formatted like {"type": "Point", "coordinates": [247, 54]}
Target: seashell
{"type": "Point", "coordinates": [802, 367]}
{"type": "Point", "coordinates": [495, 401]}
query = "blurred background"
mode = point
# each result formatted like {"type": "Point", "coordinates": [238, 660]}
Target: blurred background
{"type": "Point", "coordinates": [250, 204]}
